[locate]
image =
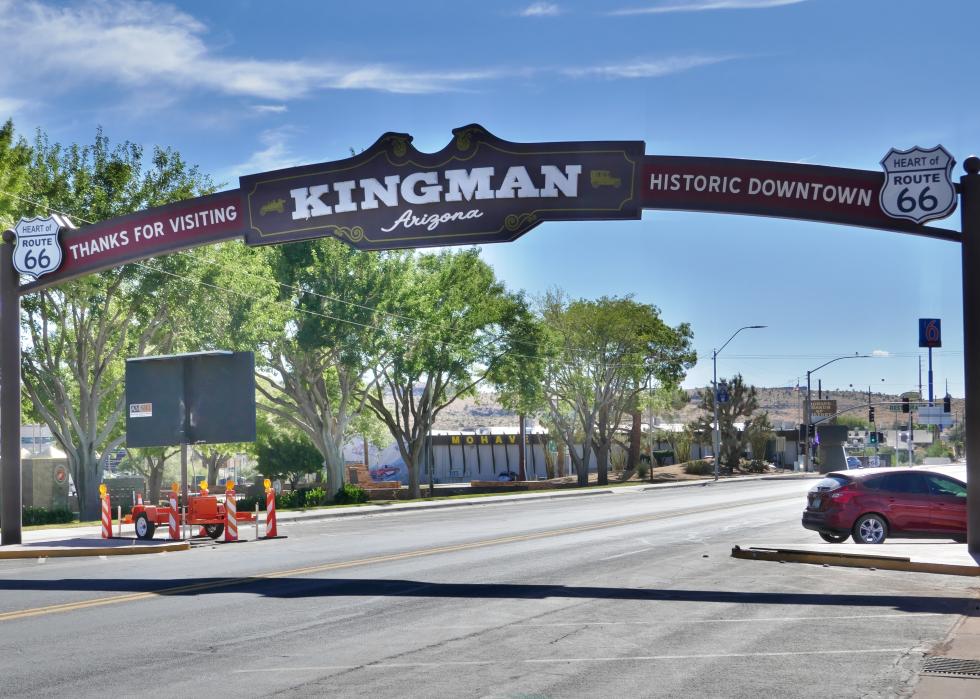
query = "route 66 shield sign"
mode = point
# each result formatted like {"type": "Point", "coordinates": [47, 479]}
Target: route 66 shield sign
{"type": "Point", "coordinates": [37, 250]}
{"type": "Point", "coordinates": [918, 184]}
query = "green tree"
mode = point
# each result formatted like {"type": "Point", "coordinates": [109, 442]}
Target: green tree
{"type": "Point", "coordinates": [454, 327]}
{"type": "Point", "coordinates": [14, 157]}
{"type": "Point", "coordinates": [80, 332]}
{"type": "Point", "coordinates": [743, 403]}
{"type": "Point", "coordinates": [600, 357]}
{"type": "Point", "coordinates": [150, 462]}
{"type": "Point", "coordinates": [286, 454]}
{"type": "Point", "coordinates": [313, 375]}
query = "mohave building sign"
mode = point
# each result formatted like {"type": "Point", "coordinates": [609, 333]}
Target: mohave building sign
{"type": "Point", "coordinates": [478, 188]}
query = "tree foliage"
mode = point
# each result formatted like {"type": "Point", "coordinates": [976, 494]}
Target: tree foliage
{"type": "Point", "coordinates": [80, 332]}
{"type": "Point", "coordinates": [454, 326]}
{"type": "Point", "coordinates": [741, 407]}
{"type": "Point", "coordinates": [600, 356]}
{"type": "Point", "coordinates": [312, 375]}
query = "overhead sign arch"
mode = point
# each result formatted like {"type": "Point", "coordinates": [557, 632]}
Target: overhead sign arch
{"type": "Point", "coordinates": [483, 189]}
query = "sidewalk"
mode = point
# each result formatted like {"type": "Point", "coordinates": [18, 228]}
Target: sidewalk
{"type": "Point", "coordinates": [952, 669]}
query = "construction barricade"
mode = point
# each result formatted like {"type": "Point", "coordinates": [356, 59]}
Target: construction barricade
{"type": "Point", "coordinates": [106, 512]}
{"type": "Point", "coordinates": [231, 512]}
{"type": "Point", "coordinates": [174, 518]}
{"type": "Point", "coordinates": [271, 530]}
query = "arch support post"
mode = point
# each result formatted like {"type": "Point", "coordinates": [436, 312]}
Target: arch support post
{"type": "Point", "coordinates": [10, 475]}
{"type": "Point", "coordinates": [970, 216]}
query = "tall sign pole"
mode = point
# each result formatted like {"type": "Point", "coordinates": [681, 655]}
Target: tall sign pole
{"type": "Point", "coordinates": [970, 217]}
{"type": "Point", "coordinates": [10, 474]}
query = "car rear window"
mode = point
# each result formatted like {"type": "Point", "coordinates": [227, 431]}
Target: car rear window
{"type": "Point", "coordinates": [831, 482]}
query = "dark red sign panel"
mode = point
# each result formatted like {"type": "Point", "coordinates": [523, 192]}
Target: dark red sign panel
{"type": "Point", "coordinates": [785, 190]}
{"type": "Point", "coordinates": [478, 189]}
{"type": "Point", "coordinates": [148, 233]}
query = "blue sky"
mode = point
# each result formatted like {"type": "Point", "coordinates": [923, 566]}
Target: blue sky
{"type": "Point", "coordinates": [246, 86]}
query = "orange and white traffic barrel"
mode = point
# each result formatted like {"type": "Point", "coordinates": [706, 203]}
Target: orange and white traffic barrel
{"type": "Point", "coordinates": [270, 509]}
{"type": "Point", "coordinates": [174, 515]}
{"type": "Point", "coordinates": [106, 512]}
{"type": "Point", "coordinates": [231, 509]}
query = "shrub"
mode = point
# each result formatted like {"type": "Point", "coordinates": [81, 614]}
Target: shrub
{"type": "Point", "coordinates": [248, 503]}
{"type": "Point", "coordinates": [41, 515]}
{"type": "Point", "coordinates": [755, 466]}
{"type": "Point", "coordinates": [699, 468]}
{"type": "Point", "coordinates": [641, 470]}
{"type": "Point", "coordinates": [314, 497]}
{"type": "Point", "coordinates": [350, 494]}
{"type": "Point", "coordinates": [661, 455]}
{"type": "Point", "coordinates": [287, 498]}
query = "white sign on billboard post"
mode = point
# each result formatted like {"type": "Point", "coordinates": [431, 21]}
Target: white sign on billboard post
{"type": "Point", "coordinates": [934, 415]}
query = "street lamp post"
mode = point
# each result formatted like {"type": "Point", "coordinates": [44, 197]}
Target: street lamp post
{"type": "Point", "coordinates": [808, 415]}
{"type": "Point", "coordinates": [714, 387]}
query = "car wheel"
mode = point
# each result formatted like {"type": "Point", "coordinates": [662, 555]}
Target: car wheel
{"type": "Point", "coordinates": [214, 530]}
{"type": "Point", "coordinates": [833, 538]}
{"type": "Point", "coordinates": [869, 529]}
{"type": "Point", "coordinates": [144, 527]}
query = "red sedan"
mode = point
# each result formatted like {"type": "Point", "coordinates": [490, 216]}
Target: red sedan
{"type": "Point", "coordinates": [871, 505]}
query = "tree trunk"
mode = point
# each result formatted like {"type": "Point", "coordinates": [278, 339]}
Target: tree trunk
{"type": "Point", "coordinates": [602, 463]}
{"type": "Point", "coordinates": [87, 484]}
{"type": "Point", "coordinates": [582, 466]}
{"type": "Point", "coordinates": [560, 465]}
{"type": "Point", "coordinates": [636, 439]}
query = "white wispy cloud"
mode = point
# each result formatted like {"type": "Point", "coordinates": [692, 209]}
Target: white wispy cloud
{"type": "Point", "coordinates": [541, 9]}
{"type": "Point", "coordinates": [269, 108]}
{"type": "Point", "coordinates": [881, 353]}
{"type": "Point", "coordinates": [274, 153]}
{"type": "Point", "coordinates": [702, 6]}
{"type": "Point", "coordinates": [646, 68]}
{"type": "Point", "coordinates": [138, 44]}
{"type": "Point", "coordinates": [9, 106]}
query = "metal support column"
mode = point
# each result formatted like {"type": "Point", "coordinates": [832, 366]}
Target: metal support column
{"type": "Point", "coordinates": [10, 474]}
{"type": "Point", "coordinates": [970, 217]}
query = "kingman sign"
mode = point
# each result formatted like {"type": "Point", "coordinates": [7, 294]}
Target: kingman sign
{"type": "Point", "coordinates": [477, 189]}
{"type": "Point", "coordinates": [482, 189]}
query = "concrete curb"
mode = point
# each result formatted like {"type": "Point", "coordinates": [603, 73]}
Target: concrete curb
{"type": "Point", "coordinates": [852, 560]}
{"type": "Point", "coordinates": [70, 552]}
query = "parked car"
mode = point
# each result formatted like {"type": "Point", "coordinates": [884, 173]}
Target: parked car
{"type": "Point", "coordinates": [872, 504]}
{"type": "Point", "coordinates": [853, 462]}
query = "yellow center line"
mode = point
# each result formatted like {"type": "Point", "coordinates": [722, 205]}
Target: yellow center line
{"type": "Point", "coordinates": [340, 565]}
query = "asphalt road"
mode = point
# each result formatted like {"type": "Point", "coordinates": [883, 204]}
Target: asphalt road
{"type": "Point", "coordinates": [628, 594]}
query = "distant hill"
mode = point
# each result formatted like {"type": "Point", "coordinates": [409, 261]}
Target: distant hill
{"type": "Point", "coordinates": [784, 405]}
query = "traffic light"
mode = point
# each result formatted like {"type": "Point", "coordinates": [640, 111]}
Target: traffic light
{"type": "Point", "coordinates": [802, 432]}
{"type": "Point", "coordinates": [947, 404]}
{"type": "Point", "coordinates": [905, 404]}
{"type": "Point", "coordinates": [872, 437]}
{"type": "Point", "coordinates": [881, 438]}
{"type": "Point", "coordinates": [871, 413]}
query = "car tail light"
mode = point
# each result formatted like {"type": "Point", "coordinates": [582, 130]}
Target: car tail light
{"type": "Point", "coordinates": [842, 495]}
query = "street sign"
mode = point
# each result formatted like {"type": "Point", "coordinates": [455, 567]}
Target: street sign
{"type": "Point", "coordinates": [37, 250]}
{"type": "Point", "coordinates": [934, 415]}
{"type": "Point", "coordinates": [918, 184]}
{"type": "Point", "coordinates": [930, 332]}
{"type": "Point", "coordinates": [823, 408]}
{"type": "Point", "coordinates": [722, 395]}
